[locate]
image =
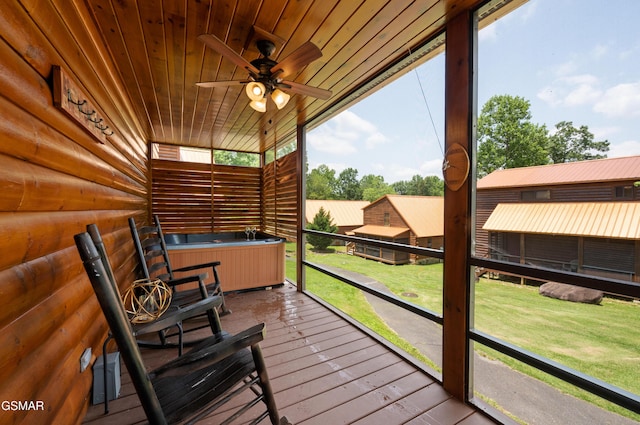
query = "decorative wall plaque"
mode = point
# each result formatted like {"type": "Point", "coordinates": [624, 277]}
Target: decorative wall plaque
{"type": "Point", "coordinates": [455, 167]}
{"type": "Point", "coordinates": [71, 100]}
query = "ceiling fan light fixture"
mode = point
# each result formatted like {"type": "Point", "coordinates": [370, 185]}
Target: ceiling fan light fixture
{"type": "Point", "coordinates": [255, 90]}
{"type": "Point", "coordinates": [280, 98]}
{"type": "Point", "coordinates": [259, 105]}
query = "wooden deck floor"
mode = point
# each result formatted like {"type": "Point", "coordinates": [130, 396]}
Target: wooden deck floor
{"type": "Point", "coordinates": [323, 370]}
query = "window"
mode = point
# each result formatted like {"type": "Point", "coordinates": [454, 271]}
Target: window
{"type": "Point", "coordinates": [565, 88]}
{"type": "Point", "coordinates": [624, 192]}
{"type": "Point", "coordinates": [244, 159]}
{"type": "Point", "coordinates": [286, 149]}
{"type": "Point", "coordinates": [535, 195]}
{"type": "Point", "coordinates": [269, 156]}
{"type": "Point", "coordinates": [180, 153]}
{"type": "Point", "coordinates": [202, 156]}
{"type": "Point", "coordinates": [388, 141]}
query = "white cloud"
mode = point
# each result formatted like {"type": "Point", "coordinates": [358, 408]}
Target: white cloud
{"type": "Point", "coordinates": [604, 133]}
{"type": "Point", "coordinates": [398, 171]}
{"type": "Point", "coordinates": [488, 33]}
{"type": "Point", "coordinates": [491, 32]}
{"type": "Point", "coordinates": [549, 96]}
{"type": "Point", "coordinates": [582, 94]}
{"type": "Point", "coordinates": [599, 50]}
{"type": "Point", "coordinates": [581, 80]}
{"type": "Point", "coordinates": [622, 100]}
{"type": "Point", "coordinates": [572, 90]}
{"type": "Point", "coordinates": [530, 11]}
{"type": "Point", "coordinates": [342, 134]}
{"type": "Point", "coordinates": [401, 172]}
{"type": "Point", "coordinates": [432, 167]}
{"type": "Point", "coordinates": [324, 139]}
{"type": "Point", "coordinates": [626, 148]}
{"type": "Point", "coordinates": [378, 167]}
{"type": "Point", "coordinates": [566, 68]}
{"type": "Point", "coordinates": [626, 54]}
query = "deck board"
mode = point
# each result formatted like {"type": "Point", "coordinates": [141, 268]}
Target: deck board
{"type": "Point", "coordinates": [323, 370]}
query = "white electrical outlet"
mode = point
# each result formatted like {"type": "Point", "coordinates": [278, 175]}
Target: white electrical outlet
{"type": "Point", "coordinates": [85, 359]}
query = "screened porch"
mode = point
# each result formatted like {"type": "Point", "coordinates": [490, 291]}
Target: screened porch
{"type": "Point", "coordinates": [97, 99]}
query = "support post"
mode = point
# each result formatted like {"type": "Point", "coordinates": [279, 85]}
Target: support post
{"type": "Point", "coordinates": [301, 195]}
{"type": "Point", "coordinates": [459, 109]}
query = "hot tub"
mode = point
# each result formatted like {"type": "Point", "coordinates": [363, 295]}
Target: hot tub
{"type": "Point", "coordinates": [244, 264]}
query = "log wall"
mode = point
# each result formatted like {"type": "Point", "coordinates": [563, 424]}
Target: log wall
{"type": "Point", "coordinates": [55, 179]}
{"type": "Point", "coordinates": [375, 214]}
{"type": "Point", "coordinates": [488, 199]}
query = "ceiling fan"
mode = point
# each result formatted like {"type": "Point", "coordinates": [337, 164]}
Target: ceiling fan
{"type": "Point", "coordinates": [265, 74]}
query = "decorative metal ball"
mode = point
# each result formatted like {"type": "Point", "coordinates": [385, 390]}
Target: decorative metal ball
{"type": "Point", "coordinates": [146, 300]}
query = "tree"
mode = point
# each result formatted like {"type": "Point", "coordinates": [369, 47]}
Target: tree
{"type": "Point", "coordinates": [506, 136]}
{"type": "Point", "coordinates": [322, 221]}
{"type": "Point", "coordinates": [245, 159]}
{"type": "Point", "coordinates": [571, 144]}
{"type": "Point", "coordinates": [287, 149]}
{"type": "Point", "coordinates": [433, 186]}
{"type": "Point", "coordinates": [321, 183]}
{"type": "Point", "coordinates": [373, 187]}
{"type": "Point", "coordinates": [348, 186]}
{"type": "Point", "coordinates": [401, 187]}
{"type": "Point", "coordinates": [422, 186]}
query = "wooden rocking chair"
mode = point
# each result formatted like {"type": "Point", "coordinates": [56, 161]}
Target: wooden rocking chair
{"type": "Point", "coordinates": [189, 387]}
{"type": "Point", "coordinates": [173, 317]}
{"type": "Point", "coordinates": [177, 312]}
{"type": "Point", "coordinates": [155, 262]}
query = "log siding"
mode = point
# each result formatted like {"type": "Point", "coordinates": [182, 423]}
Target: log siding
{"type": "Point", "coordinates": [56, 179]}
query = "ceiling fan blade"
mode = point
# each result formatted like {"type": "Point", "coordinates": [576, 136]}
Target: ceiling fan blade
{"type": "Point", "coordinates": [212, 84]}
{"type": "Point", "coordinates": [218, 45]}
{"type": "Point", "coordinates": [305, 90]}
{"type": "Point", "coordinates": [297, 60]}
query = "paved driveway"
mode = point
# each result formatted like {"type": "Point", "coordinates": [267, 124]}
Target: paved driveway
{"type": "Point", "coordinates": [528, 399]}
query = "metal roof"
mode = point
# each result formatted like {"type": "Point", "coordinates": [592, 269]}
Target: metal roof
{"type": "Point", "coordinates": [385, 231]}
{"type": "Point", "coordinates": [343, 213]}
{"type": "Point", "coordinates": [617, 220]}
{"type": "Point", "coordinates": [423, 214]}
{"type": "Point", "coordinates": [597, 170]}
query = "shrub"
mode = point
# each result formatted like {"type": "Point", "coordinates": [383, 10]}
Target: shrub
{"type": "Point", "coordinates": [322, 222]}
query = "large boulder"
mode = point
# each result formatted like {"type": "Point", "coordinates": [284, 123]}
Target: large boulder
{"type": "Point", "coordinates": [562, 291]}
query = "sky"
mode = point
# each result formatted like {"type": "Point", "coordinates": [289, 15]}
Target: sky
{"type": "Point", "coordinates": [573, 60]}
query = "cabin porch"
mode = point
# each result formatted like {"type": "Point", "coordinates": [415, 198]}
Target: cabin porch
{"type": "Point", "coordinates": [323, 369]}
{"type": "Point", "coordinates": [137, 64]}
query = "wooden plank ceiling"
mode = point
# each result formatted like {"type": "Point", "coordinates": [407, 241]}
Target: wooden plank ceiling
{"type": "Point", "coordinates": [159, 58]}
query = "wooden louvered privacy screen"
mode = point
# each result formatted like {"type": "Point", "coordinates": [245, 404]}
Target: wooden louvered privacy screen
{"type": "Point", "coordinates": [279, 197]}
{"type": "Point", "coordinates": [202, 198]}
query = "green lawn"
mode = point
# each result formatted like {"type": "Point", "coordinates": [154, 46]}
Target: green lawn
{"type": "Point", "coordinates": [599, 340]}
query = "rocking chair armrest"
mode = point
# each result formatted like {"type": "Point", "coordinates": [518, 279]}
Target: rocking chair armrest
{"type": "Point", "coordinates": [176, 315]}
{"type": "Point", "coordinates": [188, 279]}
{"type": "Point", "coordinates": [202, 287]}
{"type": "Point", "coordinates": [211, 352]}
{"type": "Point", "coordinates": [197, 266]}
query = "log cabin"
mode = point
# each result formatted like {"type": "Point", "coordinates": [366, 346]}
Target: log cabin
{"type": "Point", "coordinates": [87, 87]}
{"type": "Point", "coordinates": [578, 216]}
{"type": "Point", "coordinates": [405, 219]}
